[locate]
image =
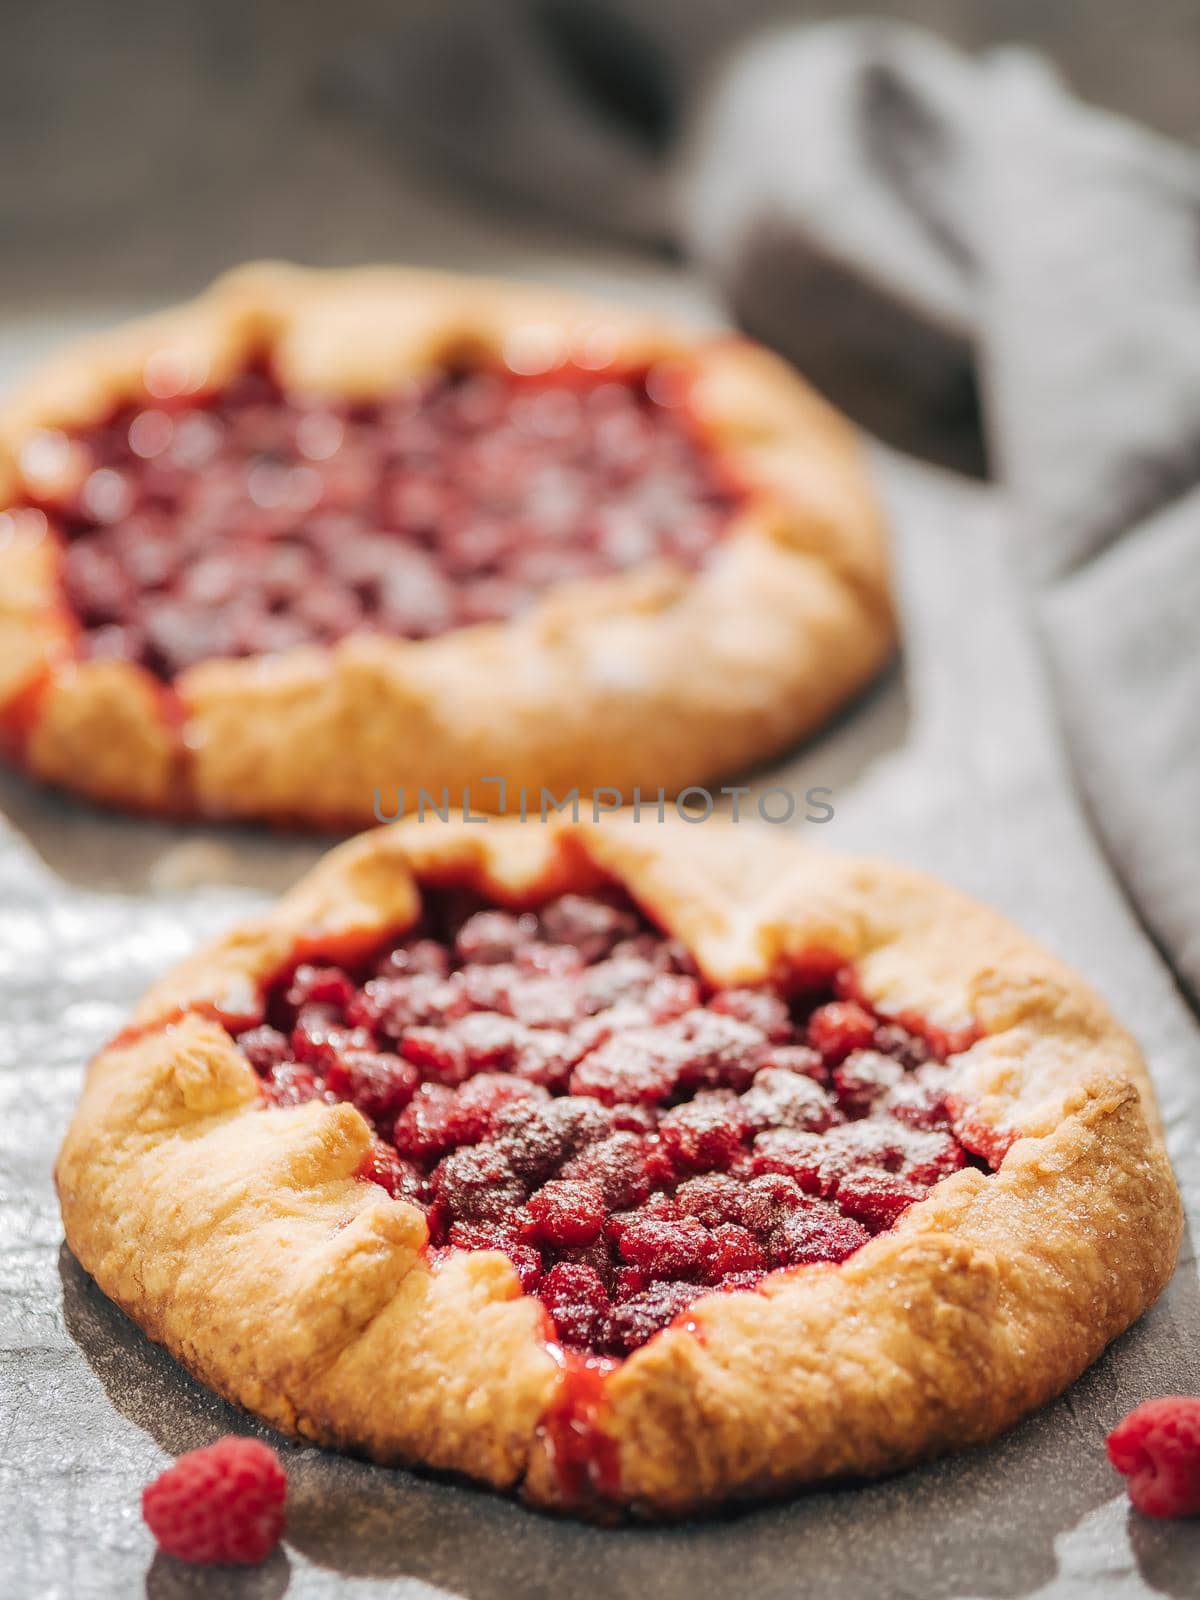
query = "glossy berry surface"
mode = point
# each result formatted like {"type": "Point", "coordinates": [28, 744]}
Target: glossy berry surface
{"type": "Point", "coordinates": [1157, 1449]}
{"type": "Point", "coordinates": [562, 1085]}
{"type": "Point", "coordinates": [251, 520]}
{"type": "Point", "coordinates": [220, 1505]}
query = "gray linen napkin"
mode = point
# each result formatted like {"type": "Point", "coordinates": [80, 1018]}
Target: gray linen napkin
{"type": "Point", "coordinates": [915, 229]}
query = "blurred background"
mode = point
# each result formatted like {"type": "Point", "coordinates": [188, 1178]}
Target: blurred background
{"type": "Point", "coordinates": [145, 144]}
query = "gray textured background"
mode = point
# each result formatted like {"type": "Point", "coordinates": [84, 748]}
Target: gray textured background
{"type": "Point", "coordinates": [147, 146]}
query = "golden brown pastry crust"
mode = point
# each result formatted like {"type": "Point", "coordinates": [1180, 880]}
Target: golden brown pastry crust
{"type": "Point", "coordinates": [649, 678]}
{"type": "Point", "coordinates": [239, 1238]}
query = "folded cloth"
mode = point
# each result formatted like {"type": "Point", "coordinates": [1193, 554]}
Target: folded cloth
{"type": "Point", "coordinates": [976, 266]}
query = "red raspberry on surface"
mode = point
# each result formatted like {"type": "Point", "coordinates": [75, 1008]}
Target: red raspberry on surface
{"type": "Point", "coordinates": [545, 1000]}
{"type": "Point", "coordinates": [559, 960]}
{"type": "Point", "coordinates": [614, 983]}
{"type": "Point", "coordinates": [908, 1048]}
{"type": "Point", "coordinates": [488, 1040]}
{"type": "Point", "coordinates": [1157, 1448]}
{"type": "Point", "coordinates": [919, 1100]}
{"type": "Point", "coordinates": [720, 1051]}
{"type": "Point", "coordinates": [800, 1058]}
{"type": "Point", "coordinates": [220, 1504]}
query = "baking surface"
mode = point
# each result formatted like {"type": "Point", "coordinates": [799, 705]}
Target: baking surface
{"type": "Point", "coordinates": [953, 769]}
{"type": "Point", "coordinates": [94, 907]}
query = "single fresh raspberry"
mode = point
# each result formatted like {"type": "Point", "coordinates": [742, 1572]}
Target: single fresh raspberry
{"type": "Point", "coordinates": [220, 1504]}
{"type": "Point", "coordinates": [1157, 1448]}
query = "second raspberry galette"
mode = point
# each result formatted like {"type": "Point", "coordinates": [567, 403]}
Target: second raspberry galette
{"type": "Point", "coordinates": [320, 536]}
{"type": "Point", "coordinates": [636, 1166]}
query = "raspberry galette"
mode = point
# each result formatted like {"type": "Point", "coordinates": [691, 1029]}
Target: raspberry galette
{"type": "Point", "coordinates": [635, 1166]}
{"type": "Point", "coordinates": [321, 537]}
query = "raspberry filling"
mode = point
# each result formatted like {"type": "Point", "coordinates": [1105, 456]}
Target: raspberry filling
{"type": "Point", "coordinates": [563, 1086]}
{"type": "Point", "coordinates": [252, 520]}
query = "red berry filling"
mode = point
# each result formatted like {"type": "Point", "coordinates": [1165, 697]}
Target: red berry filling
{"type": "Point", "coordinates": [564, 1087]}
{"type": "Point", "coordinates": [250, 519]}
